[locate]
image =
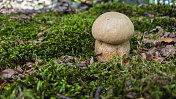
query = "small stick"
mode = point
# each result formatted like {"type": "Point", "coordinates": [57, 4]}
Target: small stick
{"type": "Point", "coordinates": [84, 84]}
{"type": "Point", "coordinates": [97, 94]}
{"type": "Point", "coordinates": [98, 54]}
{"type": "Point", "coordinates": [2, 85]}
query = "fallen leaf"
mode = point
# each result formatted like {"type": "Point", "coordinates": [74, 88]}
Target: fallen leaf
{"type": "Point", "coordinates": [166, 40]}
{"type": "Point", "coordinates": [7, 73]}
{"type": "Point", "coordinates": [126, 61]}
{"type": "Point", "coordinates": [168, 51]}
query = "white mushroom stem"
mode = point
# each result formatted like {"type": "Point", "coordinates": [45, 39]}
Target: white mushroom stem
{"type": "Point", "coordinates": [112, 31]}
{"type": "Point", "coordinates": [108, 50]}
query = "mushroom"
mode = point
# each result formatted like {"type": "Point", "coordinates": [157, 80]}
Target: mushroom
{"type": "Point", "coordinates": [112, 31]}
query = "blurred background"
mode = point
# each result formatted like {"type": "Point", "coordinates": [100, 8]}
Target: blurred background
{"type": "Point", "coordinates": [9, 6]}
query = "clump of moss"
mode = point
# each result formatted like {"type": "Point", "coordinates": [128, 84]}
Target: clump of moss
{"type": "Point", "coordinates": [71, 35]}
{"type": "Point", "coordinates": [66, 35]}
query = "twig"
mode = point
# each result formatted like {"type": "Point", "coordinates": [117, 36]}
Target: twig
{"type": "Point", "coordinates": [62, 96]}
{"type": "Point", "coordinates": [19, 88]}
{"type": "Point", "coordinates": [2, 85]}
{"type": "Point", "coordinates": [84, 84]}
{"type": "Point", "coordinates": [97, 94]}
{"type": "Point", "coordinates": [98, 54]}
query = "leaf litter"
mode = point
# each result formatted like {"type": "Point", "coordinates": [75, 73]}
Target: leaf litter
{"type": "Point", "coordinates": [159, 48]}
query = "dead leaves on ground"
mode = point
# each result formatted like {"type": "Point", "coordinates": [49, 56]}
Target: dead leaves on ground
{"type": "Point", "coordinates": [160, 49]}
{"type": "Point", "coordinates": [70, 60]}
{"type": "Point", "coordinates": [18, 71]}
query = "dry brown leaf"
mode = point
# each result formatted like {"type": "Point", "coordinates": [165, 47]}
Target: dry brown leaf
{"type": "Point", "coordinates": [166, 40]}
{"type": "Point", "coordinates": [168, 51]}
{"type": "Point", "coordinates": [126, 61]}
{"type": "Point", "coordinates": [7, 73]}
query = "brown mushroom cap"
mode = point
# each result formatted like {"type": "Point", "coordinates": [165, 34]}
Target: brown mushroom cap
{"type": "Point", "coordinates": [108, 50]}
{"type": "Point", "coordinates": [113, 28]}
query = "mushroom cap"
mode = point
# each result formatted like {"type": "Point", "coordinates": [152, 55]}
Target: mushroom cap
{"type": "Point", "coordinates": [108, 50]}
{"type": "Point", "coordinates": [113, 28]}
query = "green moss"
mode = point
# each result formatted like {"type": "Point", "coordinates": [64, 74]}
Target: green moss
{"type": "Point", "coordinates": [70, 34]}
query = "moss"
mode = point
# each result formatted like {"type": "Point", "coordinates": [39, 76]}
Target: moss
{"type": "Point", "coordinates": [70, 34]}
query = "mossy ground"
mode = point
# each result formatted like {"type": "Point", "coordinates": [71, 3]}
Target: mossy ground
{"type": "Point", "coordinates": [70, 34]}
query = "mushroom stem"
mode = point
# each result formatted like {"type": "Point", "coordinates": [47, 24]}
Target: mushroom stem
{"type": "Point", "coordinates": [108, 50]}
